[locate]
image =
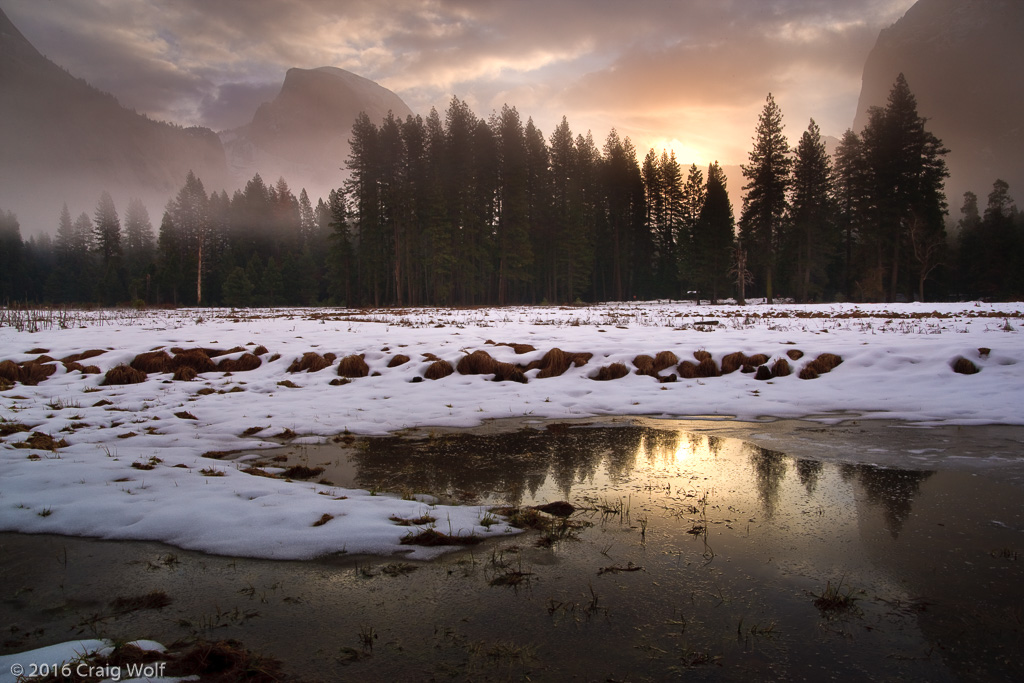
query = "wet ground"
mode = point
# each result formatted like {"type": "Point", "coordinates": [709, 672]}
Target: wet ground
{"type": "Point", "coordinates": [707, 550]}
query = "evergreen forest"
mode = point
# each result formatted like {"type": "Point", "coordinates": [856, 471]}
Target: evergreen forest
{"type": "Point", "coordinates": [458, 210]}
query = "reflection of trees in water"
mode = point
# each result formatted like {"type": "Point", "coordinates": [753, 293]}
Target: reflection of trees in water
{"type": "Point", "coordinates": [504, 466]}
{"type": "Point", "coordinates": [769, 473]}
{"type": "Point", "coordinates": [893, 490]}
{"type": "Point", "coordinates": [809, 472]}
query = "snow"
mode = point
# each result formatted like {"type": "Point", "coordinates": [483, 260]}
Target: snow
{"type": "Point", "coordinates": [897, 364]}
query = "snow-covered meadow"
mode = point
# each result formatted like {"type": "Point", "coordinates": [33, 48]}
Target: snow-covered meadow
{"type": "Point", "coordinates": [127, 460]}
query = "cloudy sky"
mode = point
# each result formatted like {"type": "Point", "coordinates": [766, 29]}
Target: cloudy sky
{"type": "Point", "coordinates": [688, 75]}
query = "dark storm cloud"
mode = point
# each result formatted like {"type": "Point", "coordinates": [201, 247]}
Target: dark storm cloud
{"type": "Point", "coordinates": [638, 65]}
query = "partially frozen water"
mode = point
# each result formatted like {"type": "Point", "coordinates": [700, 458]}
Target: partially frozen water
{"type": "Point", "coordinates": [699, 552]}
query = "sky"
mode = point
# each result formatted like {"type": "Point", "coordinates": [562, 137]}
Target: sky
{"type": "Point", "coordinates": [689, 76]}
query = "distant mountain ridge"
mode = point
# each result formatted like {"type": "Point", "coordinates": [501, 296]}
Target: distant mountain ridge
{"type": "Point", "coordinates": [64, 140]}
{"type": "Point", "coordinates": [303, 133]}
{"type": "Point", "coordinates": [964, 61]}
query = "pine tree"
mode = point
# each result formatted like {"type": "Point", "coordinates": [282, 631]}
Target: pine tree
{"type": "Point", "coordinates": [765, 205]}
{"type": "Point", "coordinates": [714, 237]}
{"type": "Point", "coordinates": [907, 171]}
{"type": "Point", "coordinates": [692, 203]}
{"type": "Point", "coordinates": [108, 229]}
{"type": "Point", "coordinates": [852, 202]}
{"type": "Point", "coordinates": [813, 211]}
{"type": "Point", "coordinates": [514, 251]}
{"type": "Point", "coordinates": [139, 246]}
{"type": "Point", "coordinates": [12, 266]}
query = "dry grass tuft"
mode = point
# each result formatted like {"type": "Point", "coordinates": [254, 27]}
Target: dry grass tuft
{"type": "Point", "coordinates": [244, 363]}
{"type": "Point", "coordinates": [400, 359]}
{"type": "Point", "coordinates": [983, 352]}
{"type": "Point", "coordinates": [707, 368]}
{"type": "Point", "coordinates": [302, 472]}
{"type": "Point", "coordinates": [795, 354]}
{"type": "Point", "coordinates": [42, 442]}
{"type": "Point", "coordinates": [10, 371]}
{"type": "Point", "coordinates": [506, 372]}
{"type": "Point", "coordinates": [309, 362]}
{"type": "Point", "coordinates": [323, 519]}
{"type": "Point", "coordinates": [518, 348]}
{"type": "Point", "coordinates": [430, 538]}
{"type": "Point", "coordinates": [260, 350]}
{"type": "Point", "coordinates": [439, 369]}
{"type": "Point", "coordinates": [477, 363]}
{"type": "Point", "coordinates": [610, 372]}
{"type": "Point", "coordinates": [733, 362]}
{"type": "Point", "coordinates": [701, 355]}
{"type": "Point", "coordinates": [123, 374]}
{"type": "Point", "coordinates": [184, 374]}
{"type": "Point", "coordinates": [153, 600]}
{"type": "Point", "coordinates": [33, 372]}
{"type": "Point", "coordinates": [225, 660]}
{"type": "Point", "coordinates": [556, 361]}
{"type": "Point", "coordinates": [185, 415]}
{"type": "Point", "coordinates": [8, 428]}
{"type": "Point", "coordinates": [197, 359]}
{"type": "Point", "coordinates": [644, 365]}
{"type": "Point", "coordinates": [153, 361]}
{"type": "Point", "coordinates": [687, 370]}
{"type": "Point", "coordinates": [353, 366]}
{"type": "Point", "coordinates": [808, 372]}
{"type": "Point", "coordinates": [826, 362]}
{"type": "Point", "coordinates": [780, 368]}
{"type": "Point", "coordinates": [664, 360]}
{"type": "Point", "coordinates": [84, 355]}
{"type": "Point", "coordinates": [964, 366]}
{"type": "Point", "coordinates": [757, 359]}
{"type": "Point", "coordinates": [763, 373]}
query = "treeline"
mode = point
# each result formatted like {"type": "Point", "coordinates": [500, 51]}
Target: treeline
{"type": "Point", "coordinates": [468, 211]}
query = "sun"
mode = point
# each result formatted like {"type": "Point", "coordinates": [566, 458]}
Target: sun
{"type": "Point", "coordinates": [686, 154]}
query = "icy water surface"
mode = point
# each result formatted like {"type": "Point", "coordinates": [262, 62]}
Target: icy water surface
{"type": "Point", "coordinates": [692, 554]}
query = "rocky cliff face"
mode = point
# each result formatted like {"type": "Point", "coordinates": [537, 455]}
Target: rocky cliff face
{"type": "Point", "coordinates": [63, 140]}
{"type": "Point", "coordinates": [303, 133]}
{"type": "Point", "coordinates": [964, 61]}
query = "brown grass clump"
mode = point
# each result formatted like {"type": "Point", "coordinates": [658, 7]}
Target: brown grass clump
{"type": "Point", "coordinates": [795, 354]}
{"type": "Point", "coordinates": [302, 472]}
{"type": "Point", "coordinates": [153, 361]}
{"type": "Point", "coordinates": [808, 372]}
{"type": "Point", "coordinates": [8, 428]}
{"type": "Point", "coordinates": [225, 660]}
{"type": "Point", "coordinates": [763, 373]}
{"type": "Point", "coordinates": [400, 359]}
{"type": "Point", "coordinates": [84, 355]}
{"type": "Point", "coordinates": [197, 359]}
{"type": "Point", "coordinates": [664, 360]}
{"type": "Point", "coordinates": [34, 372]}
{"type": "Point", "coordinates": [687, 370]}
{"type": "Point", "coordinates": [439, 369]}
{"type": "Point", "coordinates": [72, 366]}
{"type": "Point", "coordinates": [556, 361]}
{"type": "Point", "coordinates": [430, 538]}
{"type": "Point", "coordinates": [780, 368]}
{"type": "Point", "coordinates": [733, 362]}
{"type": "Point", "coordinates": [244, 363]}
{"type": "Point", "coordinates": [983, 352]}
{"type": "Point", "coordinates": [42, 442]}
{"type": "Point", "coordinates": [353, 366]}
{"type": "Point", "coordinates": [323, 519]}
{"type": "Point", "coordinates": [826, 362]}
{"type": "Point", "coordinates": [644, 365]}
{"type": "Point", "coordinates": [610, 372]}
{"type": "Point", "coordinates": [964, 366]}
{"type": "Point", "coordinates": [10, 371]}
{"type": "Point", "coordinates": [310, 361]}
{"type": "Point", "coordinates": [91, 370]}
{"type": "Point", "coordinates": [757, 359]}
{"type": "Point", "coordinates": [260, 350]}
{"type": "Point", "coordinates": [506, 372]}
{"type": "Point", "coordinates": [707, 368]}
{"type": "Point", "coordinates": [518, 348]}
{"type": "Point", "coordinates": [184, 374]}
{"type": "Point", "coordinates": [123, 374]}
{"type": "Point", "coordinates": [476, 363]}
{"type": "Point", "coordinates": [701, 355]}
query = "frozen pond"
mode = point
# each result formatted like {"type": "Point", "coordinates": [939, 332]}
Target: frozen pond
{"type": "Point", "coordinates": [697, 550]}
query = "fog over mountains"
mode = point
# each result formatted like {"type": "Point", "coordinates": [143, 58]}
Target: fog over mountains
{"type": "Point", "coordinates": [65, 141]}
{"type": "Point", "coordinates": [964, 61]}
{"type": "Point", "coordinates": [302, 135]}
